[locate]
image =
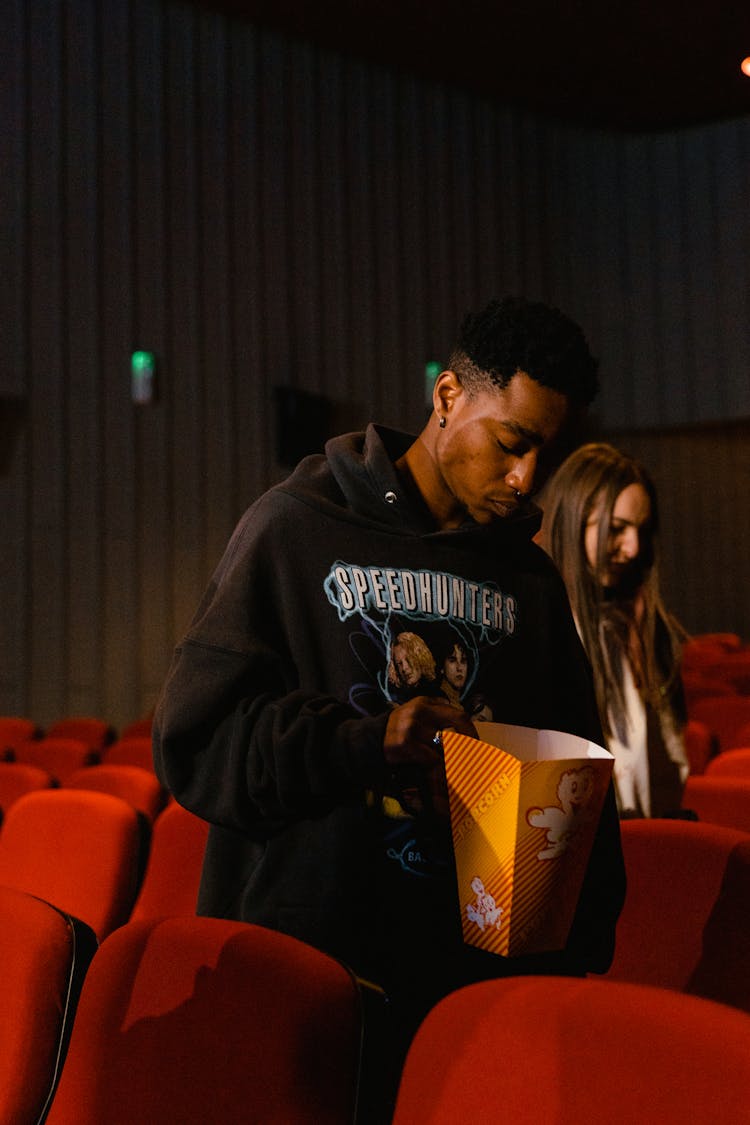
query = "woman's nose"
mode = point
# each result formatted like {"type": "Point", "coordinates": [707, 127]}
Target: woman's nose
{"type": "Point", "coordinates": [630, 542]}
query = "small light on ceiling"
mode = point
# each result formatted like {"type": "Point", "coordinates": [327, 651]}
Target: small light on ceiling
{"type": "Point", "coordinates": [745, 66]}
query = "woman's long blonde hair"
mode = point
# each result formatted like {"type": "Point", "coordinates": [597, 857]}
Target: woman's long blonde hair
{"type": "Point", "coordinates": [631, 621]}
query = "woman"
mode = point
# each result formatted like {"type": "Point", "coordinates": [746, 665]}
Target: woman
{"type": "Point", "coordinates": [600, 526]}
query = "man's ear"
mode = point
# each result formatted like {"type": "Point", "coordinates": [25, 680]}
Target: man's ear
{"type": "Point", "coordinates": [446, 392]}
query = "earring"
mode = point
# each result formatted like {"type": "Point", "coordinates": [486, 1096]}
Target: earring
{"type": "Point", "coordinates": [442, 422]}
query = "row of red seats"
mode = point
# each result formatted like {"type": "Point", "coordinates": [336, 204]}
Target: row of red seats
{"type": "Point", "coordinates": [136, 784]}
{"type": "Point", "coordinates": [682, 934]}
{"type": "Point", "coordinates": [716, 674]}
{"type": "Point", "coordinates": [79, 753]}
{"type": "Point", "coordinates": [716, 678]}
{"type": "Point", "coordinates": [96, 857]}
{"type": "Point", "coordinates": [716, 664]}
{"type": "Point", "coordinates": [173, 1020]}
{"type": "Point", "coordinates": [193, 1019]}
{"type": "Point", "coordinates": [576, 1052]}
{"type": "Point", "coordinates": [662, 1037]}
{"type": "Point", "coordinates": [96, 732]}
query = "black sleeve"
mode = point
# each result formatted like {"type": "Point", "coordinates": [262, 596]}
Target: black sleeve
{"type": "Point", "coordinates": [235, 738]}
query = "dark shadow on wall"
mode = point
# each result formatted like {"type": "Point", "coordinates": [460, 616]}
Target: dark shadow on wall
{"type": "Point", "coordinates": [13, 414]}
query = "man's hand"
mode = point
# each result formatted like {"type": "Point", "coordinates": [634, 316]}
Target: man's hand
{"type": "Point", "coordinates": [410, 740]}
{"type": "Point", "coordinates": [411, 729]}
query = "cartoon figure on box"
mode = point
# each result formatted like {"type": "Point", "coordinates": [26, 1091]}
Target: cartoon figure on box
{"type": "Point", "coordinates": [562, 822]}
{"type": "Point", "coordinates": [484, 910]}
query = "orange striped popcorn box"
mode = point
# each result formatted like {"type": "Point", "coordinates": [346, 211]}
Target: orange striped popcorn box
{"type": "Point", "coordinates": [525, 805]}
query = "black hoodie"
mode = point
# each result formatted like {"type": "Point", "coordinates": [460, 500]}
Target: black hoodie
{"type": "Point", "coordinates": [271, 721]}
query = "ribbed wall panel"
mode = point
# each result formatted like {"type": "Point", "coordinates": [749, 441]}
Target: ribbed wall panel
{"type": "Point", "coordinates": [260, 212]}
{"type": "Point", "coordinates": [702, 477]}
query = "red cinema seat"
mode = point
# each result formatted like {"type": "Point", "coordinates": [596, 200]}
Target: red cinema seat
{"type": "Point", "coordinates": [81, 851]}
{"type": "Point", "coordinates": [207, 1020]}
{"type": "Point", "coordinates": [706, 648]}
{"type": "Point", "coordinates": [17, 778]}
{"type": "Point", "coordinates": [175, 861]}
{"type": "Point", "coordinates": [140, 788]}
{"type": "Point", "coordinates": [722, 972]}
{"type": "Point", "coordinates": [576, 1051]}
{"type": "Point", "coordinates": [701, 684]}
{"type": "Point", "coordinates": [140, 728]}
{"type": "Point", "coordinates": [675, 870]}
{"type": "Point", "coordinates": [724, 716]}
{"type": "Point", "coordinates": [730, 763]}
{"type": "Point", "coordinates": [59, 756]}
{"type": "Point", "coordinates": [719, 799]}
{"type": "Point", "coordinates": [734, 669]}
{"type": "Point", "coordinates": [44, 955]}
{"type": "Point", "coordinates": [134, 750]}
{"type": "Point", "coordinates": [699, 745]}
{"type": "Point", "coordinates": [14, 732]}
{"type": "Point", "coordinates": [96, 733]}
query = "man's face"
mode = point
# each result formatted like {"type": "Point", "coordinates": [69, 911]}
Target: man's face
{"type": "Point", "coordinates": [455, 668]}
{"type": "Point", "coordinates": [490, 446]}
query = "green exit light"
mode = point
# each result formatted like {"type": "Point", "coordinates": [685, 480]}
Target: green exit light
{"type": "Point", "coordinates": [143, 361]}
{"type": "Point", "coordinates": [431, 371]}
{"type": "Point", "coordinates": [142, 376]}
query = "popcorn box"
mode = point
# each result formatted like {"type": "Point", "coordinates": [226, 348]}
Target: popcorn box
{"type": "Point", "coordinates": [524, 805]}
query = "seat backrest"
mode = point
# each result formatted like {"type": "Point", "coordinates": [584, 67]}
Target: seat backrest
{"type": "Point", "coordinates": [15, 731]}
{"type": "Point", "coordinates": [730, 763]}
{"type": "Point", "coordinates": [133, 750]}
{"type": "Point", "coordinates": [699, 745]}
{"type": "Point", "coordinates": [17, 778]}
{"type": "Point", "coordinates": [722, 972]}
{"type": "Point", "coordinates": [139, 787]}
{"type": "Point", "coordinates": [576, 1052]}
{"type": "Point", "coordinates": [719, 799]}
{"type": "Point", "coordinates": [175, 861]}
{"type": "Point", "coordinates": [59, 756]}
{"type": "Point", "coordinates": [724, 716]}
{"type": "Point", "coordinates": [705, 648]}
{"type": "Point", "coordinates": [674, 873]}
{"type": "Point", "coordinates": [138, 728]}
{"type": "Point", "coordinates": [95, 732]}
{"type": "Point", "coordinates": [203, 1019]}
{"type": "Point", "coordinates": [734, 668]}
{"type": "Point", "coordinates": [80, 850]}
{"type": "Point", "coordinates": [44, 955]}
{"type": "Point", "coordinates": [704, 684]}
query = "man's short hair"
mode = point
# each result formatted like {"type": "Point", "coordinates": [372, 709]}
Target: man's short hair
{"type": "Point", "coordinates": [515, 335]}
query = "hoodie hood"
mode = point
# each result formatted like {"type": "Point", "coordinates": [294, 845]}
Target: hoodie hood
{"type": "Point", "coordinates": [357, 475]}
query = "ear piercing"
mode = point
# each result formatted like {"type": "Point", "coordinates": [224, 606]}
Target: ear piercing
{"type": "Point", "coordinates": [441, 423]}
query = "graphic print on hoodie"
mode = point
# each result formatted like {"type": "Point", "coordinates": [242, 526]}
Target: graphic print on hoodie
{"type": "Point", "coordinates": [417, 632]}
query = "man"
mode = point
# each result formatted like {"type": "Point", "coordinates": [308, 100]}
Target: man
{"type": "Point", "coordinates": [280, 724]}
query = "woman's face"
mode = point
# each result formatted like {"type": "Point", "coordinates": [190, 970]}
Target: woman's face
{"type": "Point", "coordinates": [630, 527]}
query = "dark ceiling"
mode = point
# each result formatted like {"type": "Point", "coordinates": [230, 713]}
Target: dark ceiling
{"type": "Point", "coordinates": [638, 66]}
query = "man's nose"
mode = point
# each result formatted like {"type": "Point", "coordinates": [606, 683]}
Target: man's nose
{"type": "Point", "coordinates": [521, 476]}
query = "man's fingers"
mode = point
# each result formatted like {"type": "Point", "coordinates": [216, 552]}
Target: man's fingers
{"type": "Point", "coordinates": [412, 729]}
